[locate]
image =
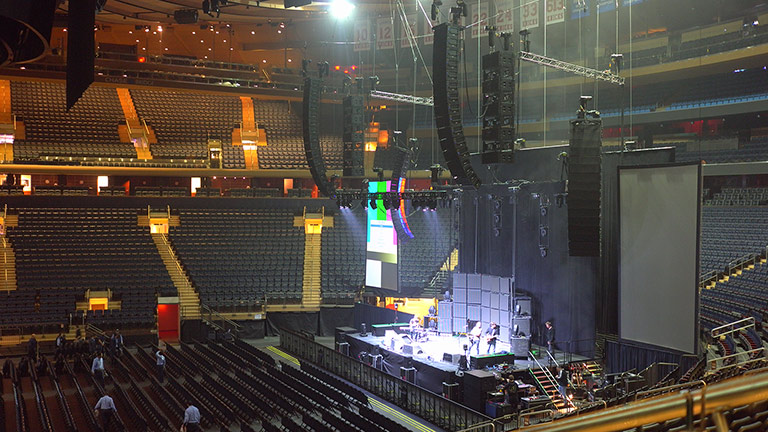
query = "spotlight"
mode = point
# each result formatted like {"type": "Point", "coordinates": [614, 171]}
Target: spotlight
{"type": "Point", "coordinates": [435, 10]}
{"type": "Point", "coordinates": [341, 9]}
{"type": "Point", "coordinates": [374, 80]}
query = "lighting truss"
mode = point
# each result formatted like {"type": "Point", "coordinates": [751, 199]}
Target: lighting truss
{"type": "Point", "coordinates": [402, 98]}
{"type": "Point", "coordinates": [572, 68]}
{"type": "Point", "coordinates": [351, 196]}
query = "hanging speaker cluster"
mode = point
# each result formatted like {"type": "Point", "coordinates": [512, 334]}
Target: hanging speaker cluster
{"type": "Point", "coordinates": [584, 177]}
{"type": "Point", "coordinates": [353, 136]}
{"type": "Point", "coordinates": [450, 130]}
{"type": "Point", "coordinates": [311, 125]}
{"type": "Point", "coordinates": [498, 107]}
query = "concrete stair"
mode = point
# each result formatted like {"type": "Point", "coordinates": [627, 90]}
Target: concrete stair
{"type": "Point", "coordinates": [189, 300]}
{"type": "Point", "coordinates": [312, 291]}
{"type": "Point", "coordinates": [7, 266]}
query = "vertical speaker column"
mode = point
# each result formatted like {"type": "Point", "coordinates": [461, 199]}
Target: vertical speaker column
{"type": "Point", "coordinates": [400, 169]}
{"type": "Point", "coordinates": [354, 127]}
{"type": "Point", "coordinates": [445, 62]}
{"type": "Point", "coordinates": [498, 107]}
{"type": "Point", "coordinates": [584, 177]}
{"type": "Point", "coordinates": [311, 125]}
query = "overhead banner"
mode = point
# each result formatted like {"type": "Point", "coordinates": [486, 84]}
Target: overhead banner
{"type": "Point", "coordinates": [385, 36]}
{"type": "Point", "coordinates": [362, 35]}
{"type": "Point", "coordinates": [555, 11]}
{"type": "Point", "coordinates": [606, 5]}
{"type": "Point", "coordinates": [505, 21]}
{"type": "Point", "coordinates": [413, 24]}
{"type": "Point", "coordinates": [579, 8]}
{"type": "Point", "coordinates": [529, 14]}
{"type": "Point", "coordinates": [479, 16]}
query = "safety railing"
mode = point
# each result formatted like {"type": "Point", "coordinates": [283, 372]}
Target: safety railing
{"type": "Point", "coordinates": [552, 381]}
{"type": "Point", "coordinates": [211, 316]}
{"type": "Point", "coordinates": [733, 327]}
{"type": "Point", "coordinates": [524, 418]}
{"type": "Point", "coordinates": [432, 407]}
{"type": "Point", "coordinates": [663, 390]}
{"type": "Point", "coordinates": [735, 355]}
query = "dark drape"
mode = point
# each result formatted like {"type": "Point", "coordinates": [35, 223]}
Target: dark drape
{"type": "Point", "coordinates": [330, 318]}
{"type": "Point", "coordinates": [608, 289]}
{"type": "Point", "coordinates": [623, 356]}
{"type": "Point", "coordinates": [295, 321]}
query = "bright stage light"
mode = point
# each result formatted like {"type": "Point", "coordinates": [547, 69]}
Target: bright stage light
{"type": "Point", "coordinates": [341, 9]}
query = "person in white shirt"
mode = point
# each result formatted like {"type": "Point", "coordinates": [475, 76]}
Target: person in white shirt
{"type": "Point", "coordinates": [160, 357]}
{"type": "Point", "coordinates": [104, 411]}
{"type": "Point", "coordinates": [97, 368]}
{"type": "Point", "coordinates": [474, 337]}
{"type": "Point", "coordinates": [191, 419]}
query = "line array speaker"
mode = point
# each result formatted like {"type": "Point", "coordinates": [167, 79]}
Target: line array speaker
{"type": "Point", "coordinates": [311, 126]}
{"type": "Point", "coordinates": [584, 177]}
{"type": "Point", "coordinates": [498, 107]}
{"type": "Point", "coordinates": [353, 136]}
{"type": "Point", "coordinates": [445, 61]}
{"type": "Point", "coordinates": [400, 169]}
{"type": "Point", "coordinates": [80, 49]}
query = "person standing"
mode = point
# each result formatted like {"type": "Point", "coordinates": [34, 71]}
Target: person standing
{"type": "Point", "coordinates": [160, 357]}
{"type": "Point", "coordinates": [117, 343]}
{"type": "Point", "coordinates": [562, 382]}
{"type": "Point", "coordinates": [492, 334]}
{"type": "Point", "coordinates": [104, 411]}
{"type": "Point", "coordinates": [191, 419]}
{"type": "Point", "coordinates": [32, 348]}
{"type": "Point", "coordinates": [550, 336]}
{"type": "Point", "coordinates": [60, 342]}
{"type": "Point", "coordinates": [474, 337]}
{"type": "Point", "coordinates": [97, 368]}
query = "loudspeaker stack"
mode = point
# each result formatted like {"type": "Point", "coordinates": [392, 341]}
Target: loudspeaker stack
{"type": "Point", "coordinates": [446, 103]}
{"type": "Point", "coordinates": [354, 128]}
{"type": "Point", "coordinates": [584, 176]}
{"type": "Point", "coordinates": [311, 126]}
{"type": "Point", "coordinates": [498, 107]}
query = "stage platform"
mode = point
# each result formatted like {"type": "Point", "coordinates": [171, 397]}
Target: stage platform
{"type": "Point", "coordinates": [435, 356]}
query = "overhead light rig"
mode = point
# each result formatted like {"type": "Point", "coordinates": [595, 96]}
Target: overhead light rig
{"type": "Point", "coordinates": [428, 199]}
{"type": "Point", "coordinates": [572, 68]}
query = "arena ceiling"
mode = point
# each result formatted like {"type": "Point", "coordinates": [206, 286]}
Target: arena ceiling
{"type": "Point", "coordinates": [234, 11]}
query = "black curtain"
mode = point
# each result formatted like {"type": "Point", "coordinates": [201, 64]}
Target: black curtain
{"type": "Point", "coordinates": [623, 356]}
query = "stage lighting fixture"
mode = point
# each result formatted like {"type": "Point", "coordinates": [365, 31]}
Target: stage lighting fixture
{"type": "Point", "coordinates": [373, 202]}
{"type": "Point", "coordinates": [435, 10]}
{"type": "Point", "coordinates": [374, 80]}
{"type": "Point", "coordinates": [341, 9]}
{"type": "Point", "coordinates": [491, 36]}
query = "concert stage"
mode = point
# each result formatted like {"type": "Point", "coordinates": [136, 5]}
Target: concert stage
{"type": "Point", "coordinates": [435, 357]}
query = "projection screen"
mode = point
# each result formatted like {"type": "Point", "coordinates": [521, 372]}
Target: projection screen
{"type": "Point", "coordinates": [659, 213]}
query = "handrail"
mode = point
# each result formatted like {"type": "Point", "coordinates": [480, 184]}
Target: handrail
{"type": "Point", "coordinates": [531, 414]}
{"type": "Point", "coordinates": [715, 331]}
{"type": "Point", "coordinates": [552, 381]}
{"type": "Point", "coordinates": [667, 389]}
{"type": "Point", "coordinates": [756, 350]}
{"type": "Point", "coordinates": [211, 312]}
{"type": "Point", "coordinates": [553, 358]}
{"type": "Point", "coordinates": [732, 393]}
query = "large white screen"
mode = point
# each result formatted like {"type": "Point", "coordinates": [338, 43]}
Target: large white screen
{"type": "Point", "coordinates": [659, 272]}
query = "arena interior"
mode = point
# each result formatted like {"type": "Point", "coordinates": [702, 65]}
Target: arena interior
{"type": "Point", "coordinates": [370, 215]}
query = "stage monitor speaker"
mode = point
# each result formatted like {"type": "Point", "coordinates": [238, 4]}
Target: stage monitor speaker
{"type": "Point", "coordinates": [343, 347]}
{"type": "Point", "coordinates": [522, 306]}
{"type": "Point", "coordinates": [410, 349]}
{"type": "Point", "coordinates": [408, 374]}
{"type": "Point", "coordinates": [452, 358]}
{"type": "Point", "coordinates": [451, 391]}
{"type": "Point", "coordinates": [584, 187]}
{"type": "Point", "coordinates": [311, 128]}
{"type": "Point", "coordinates": [445, 88]}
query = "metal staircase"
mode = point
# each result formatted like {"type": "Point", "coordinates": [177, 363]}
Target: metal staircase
{"type": "Point", "coordinates": [189, 300]}
{"type": "Point", "coordinates": [548, 385]}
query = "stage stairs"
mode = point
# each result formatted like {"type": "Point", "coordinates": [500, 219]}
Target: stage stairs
{"type": "Point", "coordinates": [189, 300]}
{"type": "Point", "coordinates": [548, 385]}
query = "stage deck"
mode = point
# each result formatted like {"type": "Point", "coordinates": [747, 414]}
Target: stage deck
{"type": "Point", "coordinates": [429, 351]}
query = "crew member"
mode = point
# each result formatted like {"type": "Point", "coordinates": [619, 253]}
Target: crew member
{"type": "Point", "coordinates": [550, 335]}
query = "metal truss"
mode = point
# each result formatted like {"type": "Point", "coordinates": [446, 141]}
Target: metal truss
{"type": "Point", "coordinates": [572, 68]}
{"type": "Point", "coordinates": [402, 98]}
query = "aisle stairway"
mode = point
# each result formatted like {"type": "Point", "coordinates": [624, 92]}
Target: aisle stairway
{"type": "Point", "coordinates": [7, 266]}
{"type": "Point", "coordinates": [312, 295]}
{"type": "Point", "coordinates": [189, 300]}
{"type": "Point", "coordinates": [136, 131]}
